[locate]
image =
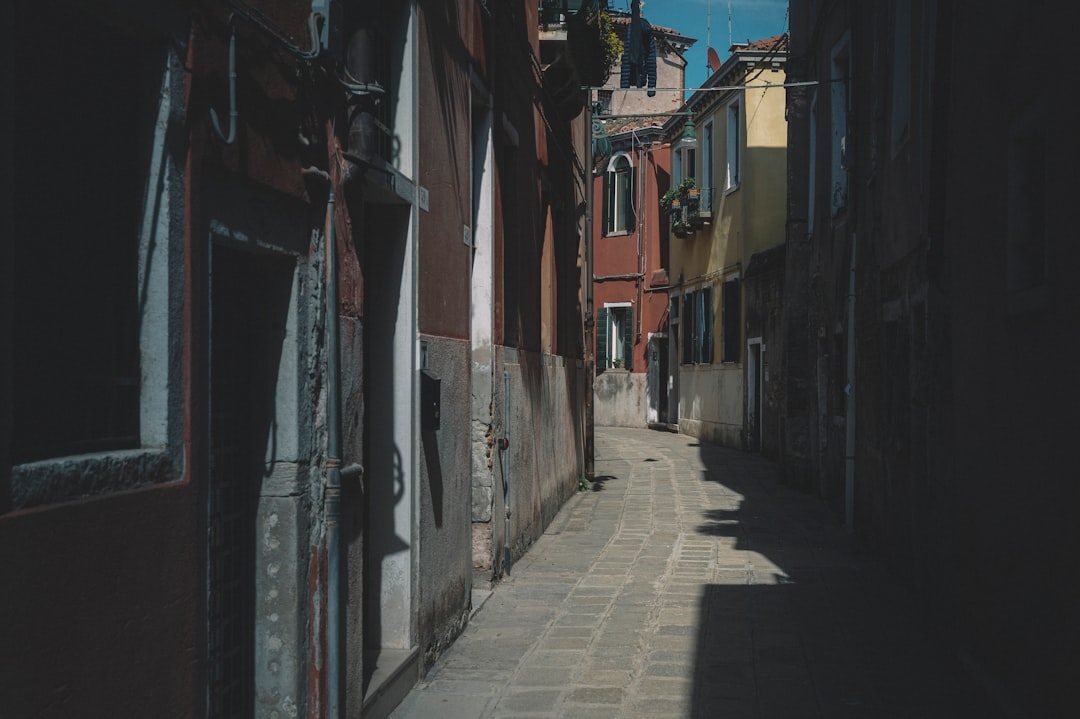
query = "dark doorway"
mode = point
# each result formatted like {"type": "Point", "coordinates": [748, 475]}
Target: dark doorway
{"type": "Point", "coordinates": [249, 305]}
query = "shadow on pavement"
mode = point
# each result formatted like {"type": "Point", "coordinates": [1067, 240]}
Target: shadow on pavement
{"type": "Point", "coordinates": [799, 622]}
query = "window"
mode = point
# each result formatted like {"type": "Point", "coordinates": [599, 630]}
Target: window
{"type": "Point", "coordinates": [697, 318]}
{"type": "Point", "coordinates": [703, 347]}
{"type": "Point", "coordinates": [604, 97]}
{"type": "Point", "coordinates": [734, 146]}
{"type": "Point", "coordinates": [707, 181]}
{"type": "Point", "coordinates": [683, 164]}
{"type": "Point", "coordinates": [77, 290]}
{"type": "Point", "coordinates": [618, 196]}
{"type": "Point", "coordinates": [732, 319]}
{"type": "Point", "coordinates": [97, 271]}
{"type": "Point", "coordinates": [615, 335]}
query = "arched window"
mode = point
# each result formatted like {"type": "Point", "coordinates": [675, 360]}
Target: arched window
{"type": "Point", "coordinates": [619, 195]}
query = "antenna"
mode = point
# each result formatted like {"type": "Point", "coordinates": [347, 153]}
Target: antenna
{"type": "Point", "coordinates": [730, 42]}
{"type": "Point", "coordinates": [708, 27]}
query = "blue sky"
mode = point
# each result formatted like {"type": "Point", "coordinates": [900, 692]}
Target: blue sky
{"type": "Point", "coordinates": [750, 20]}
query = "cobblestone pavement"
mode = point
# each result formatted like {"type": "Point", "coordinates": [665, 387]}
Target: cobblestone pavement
{"type": "Point", "coordinates": [692, 584]}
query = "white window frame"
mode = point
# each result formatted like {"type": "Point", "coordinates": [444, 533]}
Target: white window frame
{"type": "Point", "coordinates": [733, 150]}
{"type": "Point", "coordinates": [619, 205]}
{"type": "Point", "coordinates": [616, 344]}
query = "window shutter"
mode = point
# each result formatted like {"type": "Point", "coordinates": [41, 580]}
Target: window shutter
{"type": "Point", "coordinates": [707, 326]}
{"type": "Point", "coordinates": [628, 339]}
{"type": "Point", "coordinates": [602, 330]}
{"type": "Point", "coordinates": [688, 328]}
{"type": "Point", "coordinates": [699, 324]}
{"type": "Point", "coordinates": [630, 210]}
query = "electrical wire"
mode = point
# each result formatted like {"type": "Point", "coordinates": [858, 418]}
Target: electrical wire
{"type": "Point", "coordinates": [716, 88]}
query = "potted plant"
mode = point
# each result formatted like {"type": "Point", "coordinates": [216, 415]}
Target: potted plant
{"type": "Point", "coordinates": [688, 192]}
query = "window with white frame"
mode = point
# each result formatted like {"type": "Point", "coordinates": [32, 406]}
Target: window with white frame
{"type": "Point", "coordinates": [734, 146]}
{"type": "Point", "coordinates": [615, 335]}
{"type": "Point", "coordinates": [619, 195]}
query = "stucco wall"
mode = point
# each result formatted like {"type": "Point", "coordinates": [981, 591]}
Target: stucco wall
{"type": "Point", "coordinates": [545, 456]}
{"type": "Point", "coordinates": [445, 472]}
{"type": "Point", "coordinates": [711, 403]}
{"type": "Point", "coordinates": [620, 399]}
{"type": "Point", "coordinates": [100, 607]}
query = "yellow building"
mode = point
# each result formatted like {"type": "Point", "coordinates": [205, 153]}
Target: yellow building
{"type": "Point", "coordinates": [726, 207]}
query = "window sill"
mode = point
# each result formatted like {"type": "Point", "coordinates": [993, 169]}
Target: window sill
{"type": "Point", "coordinates": [50, 481]}
{"type": "Point", "coordinates": [626, 233]}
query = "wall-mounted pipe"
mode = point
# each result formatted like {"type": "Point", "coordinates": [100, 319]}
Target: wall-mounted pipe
{"type": "Point", "coordinates": [334, 471]}
{"type": "Point", "coordinates": [504, 445]}
{"type": "Point", "coordinates": [233, 113]}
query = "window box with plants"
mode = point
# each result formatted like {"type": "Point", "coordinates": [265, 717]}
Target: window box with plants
{"type": "Point", "coordinates": [680, 203]}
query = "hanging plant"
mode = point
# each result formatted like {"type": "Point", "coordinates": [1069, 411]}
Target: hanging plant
{"type": "Point", "coordinates": [612, 44]}
{"type": "Point", "coordinates": [668, 199]}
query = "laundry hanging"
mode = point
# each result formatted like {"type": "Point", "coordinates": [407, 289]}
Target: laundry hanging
{"type": "Point", "coordinates": [639, 56]}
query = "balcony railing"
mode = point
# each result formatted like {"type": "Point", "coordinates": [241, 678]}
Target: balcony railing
{"type": "Point", "coordinates": [702, 211]}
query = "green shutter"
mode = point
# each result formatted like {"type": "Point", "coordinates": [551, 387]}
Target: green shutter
{"type": "Point", "coordinates": [602, 330]}
{"type": "Point", "coordinates": [699, 354]}
{"type": "Point", "coordinates": [631, 218]}
{"type": "Point", "coordinates": [687, 321]}
{"type": "Point", "coordinates": [628, 340]}
{"type": "Point", "coordinates": [707, 328]}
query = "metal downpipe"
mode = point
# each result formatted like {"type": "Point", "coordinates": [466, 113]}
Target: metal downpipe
{"type": "Point", "coordinates": [590, 323]}
{"type": "Point", "coordinates": [332, 498]}
{"type": "Point", "coordinates": [334, 472]}
{"type": "Point", "coordinates": [505, 446]}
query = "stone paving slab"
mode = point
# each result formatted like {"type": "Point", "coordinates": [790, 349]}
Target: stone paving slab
{"type": "Point", "coordinates": [692, 583]}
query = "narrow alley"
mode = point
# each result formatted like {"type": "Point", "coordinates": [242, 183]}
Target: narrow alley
{"type": "Point", "coordinates": [691, 583]}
